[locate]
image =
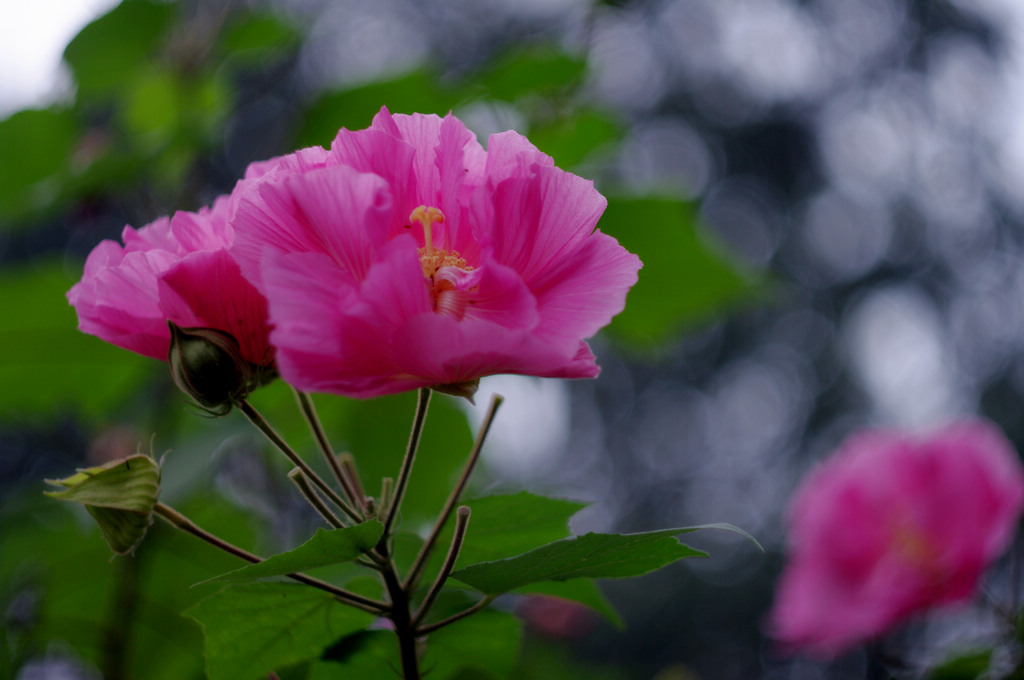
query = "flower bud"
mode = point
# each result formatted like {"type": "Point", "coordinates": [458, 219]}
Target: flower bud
{"type": "Point", "coordinates": [119, 495]}
{"type": "Point", "coordinates": [207, 365]}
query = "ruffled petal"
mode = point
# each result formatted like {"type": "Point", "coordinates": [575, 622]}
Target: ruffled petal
{"type": "Point", "coordinates": [333, 210]}
{"type": "Point", "coordinates": [440, 350]}
{"type": "Point", "coordinates": [236, 307]}
{"type": "Point", "coordinates": [460, 162]}
{"type": "Point", "coordinates": [338, 337]}
{"type": "Point", "coordinates": [497, 294]}
{"type": "Point", "coordinates": [120, 303]}
{"type": "Point", "coordinates": [578, 294]}
{"type": "Point", "coordinates": [539, 217]}
{"type": "Point", "coordinates": [384, 154]}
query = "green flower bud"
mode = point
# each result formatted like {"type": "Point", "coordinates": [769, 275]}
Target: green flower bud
{"type": "Point", "coordinates": [207, 365]}
{"type": "Point", "coordinates": [119, 495]}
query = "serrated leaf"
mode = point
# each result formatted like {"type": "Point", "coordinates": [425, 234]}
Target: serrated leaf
{"type": "Point", "coordinates": [506, 525]}
{"type": "Point", "coordinates": [683, 281]}
{"type": "Point", "coordinates": [325, 548]}
{"type": "Point", "coordinates": [254, 628]}
{"type": "Point", "coordinates": [589, 556]}
{"type": "Point", "coordinates": [119, 495]}
{"type": "Point", "coordinates": [580, 590]}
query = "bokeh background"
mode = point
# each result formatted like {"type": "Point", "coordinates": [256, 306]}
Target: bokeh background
{"type": "Point", "coordinates": [828, 196]}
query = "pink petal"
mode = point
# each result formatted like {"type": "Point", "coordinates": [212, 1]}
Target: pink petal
{"type": "Point", "coordinates": [580, 293]}
{"type": "Point", "coordinates": [235, 307]}
{"type": "Point", "coordinates": [497, 294]}
{"type": "Point", "coordinates": [299, 162]}
{"type": "Point", "coordinates": [385, 155]}
{"type": "Point", "coordinates": [440, 350]}
{"type": "Point", "coordinates": [541, 217]}
{"type": "Point", "coordinates": [509, 153]}
{"type": "Point", "coordinates": [334, 210]}
{"type": "Point", "coordinates": [334, 337]}
{"type": "Point", "coordinates": [117, 299]}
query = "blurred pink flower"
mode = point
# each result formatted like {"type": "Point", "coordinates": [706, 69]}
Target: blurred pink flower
{"type": "Point", "coordinates": [173, 269]}
{"type": "Point", "coordinates": [410, 257]}
{"type": "Point", "coordinates": [892, 525]}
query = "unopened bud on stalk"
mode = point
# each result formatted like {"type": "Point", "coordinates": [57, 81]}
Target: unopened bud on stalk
{"type": "Point", "coordinates": [119, 495]}
{"type": "Point", "coordinates": [207, 365]}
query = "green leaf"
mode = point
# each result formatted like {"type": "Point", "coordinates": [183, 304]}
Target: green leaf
{"type": "Point", "coordinates": [963, 667]}
{"type": "Point", "coordinates": [506, 525]}
{"type": "Point", "coordinates": [540, 71]}
{"type": "Point", "coordinates": [487, 642]}
{"type": "Point", "coordinates": [116, 44]}
{"type": "Point", "coordinates": [255, 628]}
{"type": "Point", "coordinates": [48, 365]}
{"type": "Point", "coordinates": [152, 105]}
{"type": "Point", "coordinates": [119, 495]}
{"type": "Point", "coordinates": [683, 280]}
{"type": "Point", "coordinates": [572, 139]}
{"type": "Point", "coordinates": [376, 432]}
{"type": "Point", "coordinates": [588, 556]}
{"type": "Point", "coordinates": [35, 146]}
{"type": "Point", "coordinates": [581, 590]}
{"type": "Point", "coordinates": [354, 108]}
{"type": "Point", "coordinates": [325, 548]}
{"type": "Point", "coordinates": [130, 484]}
{"type": "Point", "coordinates": [364, 654]}
{"type": "Point", "coordinates": [484, 645]}
{"type": "Point", "coordinates": [254, 35]}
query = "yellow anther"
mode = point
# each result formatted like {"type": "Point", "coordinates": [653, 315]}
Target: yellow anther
{"type": "Point", "coordinates": [427, 216]}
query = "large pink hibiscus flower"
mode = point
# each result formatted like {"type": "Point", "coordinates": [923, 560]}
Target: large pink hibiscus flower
{"type": "Point", "coordinates": [173, 269]}
{"type": "Point", "coordinates": [414, 258]}
{"type": "Point", "coordinates": [893, 525]}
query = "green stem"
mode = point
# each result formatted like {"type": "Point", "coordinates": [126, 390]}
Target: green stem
{"type": "Point", "coordinates": [422, 402]}
{"type": "Point", "coordinates": [348, 468]}
{"type": "Point", "coordinates": [400, 616]}
{"type": "Point", "coordinates": [316, 427]}
{"type": "Point", "coordinates": [311, 496]}
{"type": "Point", "coordinates": [461, 522]}
{"type": "Point", "coordinates": [424, 630]}
{"type": "Point", "coordinates": [421, 559]}
{"type": "Point", "coordinates": [271, 434]}
{"type": "Point", "coordinates": [182, 522]}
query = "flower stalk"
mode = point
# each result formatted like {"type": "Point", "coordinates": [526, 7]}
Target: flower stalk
{"type": "Point", "coordinates": [180, 521]}
{"type": "Point", "coordinates": [461, 523]}
{"type": "Point", "coordinates": [453, 499]}
{"type": "Point", "coordinates": [308, 409]}
{"type": "Point", "coordinates": [271, 434]}
{"type": "Point", "coordinates": [313, 498]}
{"type": "Point", "coordinates": [422, 403]}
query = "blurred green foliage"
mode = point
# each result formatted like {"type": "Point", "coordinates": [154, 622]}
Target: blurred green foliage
{"type": "Point", "coordinates": [156, 90]}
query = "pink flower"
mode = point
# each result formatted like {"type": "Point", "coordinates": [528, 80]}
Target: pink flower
{"type": "Point", "coordinates": [173, 269]}
{"type": "Point", "coordinates": [892, 525]}
{"type": "Point", "coordinates": [412, 257]}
